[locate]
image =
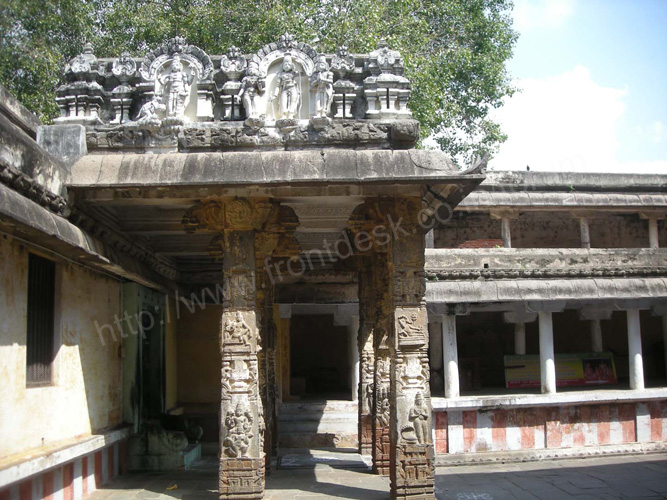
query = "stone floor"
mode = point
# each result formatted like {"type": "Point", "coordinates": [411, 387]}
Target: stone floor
{"type": "Point", "coordinates": [636, 476]}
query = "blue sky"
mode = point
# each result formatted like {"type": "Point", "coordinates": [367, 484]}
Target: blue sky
{"type": "Point", "coordinates": [593, 75]}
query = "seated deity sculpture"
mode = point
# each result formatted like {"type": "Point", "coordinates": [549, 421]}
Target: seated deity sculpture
{"type": "Point", "coordinates": [237, 330]}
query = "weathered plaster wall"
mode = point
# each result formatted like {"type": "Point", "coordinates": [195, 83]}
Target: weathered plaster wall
{"type": "Point", "coordinates": [619, 231]}
{"type": "Point", "coordinates": [86, 392]}
{"type": "Point", "coordinates": [199, 358]}
{"type": "Point", "coordinates": [465, 227]}
{"type": "Point", "coordinates": [548, 229]}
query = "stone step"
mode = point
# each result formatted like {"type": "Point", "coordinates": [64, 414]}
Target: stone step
{"type": "Point", "coordinates": [317, 424]}
{"type": "Point", "coordinates": [305, 426]}
{"type": "Point", "coordinates": [319, 417]}
{"type": "Point", "coordinates": [318, 407]}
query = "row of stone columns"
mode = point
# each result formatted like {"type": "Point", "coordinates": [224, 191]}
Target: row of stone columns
{"type": "Point", "coordinates": [447, 323]}
{"type": "Point", "coordinates": [506, 216]}
{"type": "Point", "coordinates": [252, 235]}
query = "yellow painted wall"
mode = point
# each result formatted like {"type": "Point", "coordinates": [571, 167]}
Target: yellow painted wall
{"type": "Point", "coordinates": [199, 359]}
{"type": "Point", "coordinates": [86, 394]}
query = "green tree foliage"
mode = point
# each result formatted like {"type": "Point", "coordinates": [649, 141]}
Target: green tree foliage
{"type": "Point", "coordinates": [454, 50]}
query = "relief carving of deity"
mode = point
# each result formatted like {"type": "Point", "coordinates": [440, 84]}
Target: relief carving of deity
{"type": "Point", "coordinates": [408, 327]}
{"type": "Point", "coordinates": [287, 90]}
{"type": "Point", "coordinates": [384, 407]}
{"type": "Point", "coordinates": [322, 82]}
{"type": "Point", "coordinates": [418, 415]}
{"type": "Point", "coordinates": [176, 88]}
{"type": "Point", "coordinates": [239, 431]}
{"type": "Point", "coordinates": [410, 331]}
{"type": "Point", "coordinates": [237, 331]}
{"type": "Point", "coordinates": [251, 87]}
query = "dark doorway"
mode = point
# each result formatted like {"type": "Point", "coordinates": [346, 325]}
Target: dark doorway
{"type": "Point", "coordinates": [152, 365]}
{"type": "Point", "coordinates": [319, 355]}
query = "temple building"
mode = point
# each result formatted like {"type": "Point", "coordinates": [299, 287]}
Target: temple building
{"type": "Point", "coordinates": [241, 255]}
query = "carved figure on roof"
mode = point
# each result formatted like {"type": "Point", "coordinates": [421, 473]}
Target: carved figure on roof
{"type": "Point", "coordinates": [287, 89]}
{"type": "Point", "coordinates": [251, 86]}
{"type": "Point", "coordinates": [322, 82]}
{"type": "Point", "coordinates": [176, 88]}
{"type": "Point", "coordinates": [124, 67]}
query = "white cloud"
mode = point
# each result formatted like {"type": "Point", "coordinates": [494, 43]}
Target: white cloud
{"type": "Point", "coordinates": [537, 14]}
{"type": "Point", "coordinates": [565, 123]}
{"type": "Point", "coordinates": [657, 132]}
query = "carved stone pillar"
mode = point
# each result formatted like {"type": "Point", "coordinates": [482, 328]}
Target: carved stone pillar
{"type": "Point", "coordinates": [266, 355]}
{"type": "Point", "coordinates": [382, 329]}
{"type": "Point", "coordinates": [412, 455]}
{"type": "Point", "coordinates": [366, 360]}
{"type": "Point", "coordinates": [241, 413]}
{"type": "Point", "coordinates": [250, 230]}
{"type": "Point", "coordinates": [389, 231]}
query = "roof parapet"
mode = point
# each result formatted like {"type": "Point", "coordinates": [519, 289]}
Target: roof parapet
{"type": "Point", "coordinates": [285, 88]}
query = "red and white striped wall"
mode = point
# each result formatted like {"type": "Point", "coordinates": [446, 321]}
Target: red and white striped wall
{"type": "Point", "coordinates": [538, 428]}
{"type": "Point", "coordinates": [73, 479]}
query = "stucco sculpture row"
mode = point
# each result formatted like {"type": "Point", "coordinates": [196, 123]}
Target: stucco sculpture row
{"type": "Point", "coordinates": [278, 86]}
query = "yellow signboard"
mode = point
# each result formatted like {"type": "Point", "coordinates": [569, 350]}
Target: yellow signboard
{"type": "Point", "coordinates": [571, 370]}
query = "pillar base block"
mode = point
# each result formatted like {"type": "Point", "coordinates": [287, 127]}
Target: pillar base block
{"type": "Point", "coordinates": [415, 472]}
{"type": "Point", "coordinates": [241, 479]}
{"type": "Point", "coordinates": [382, 455]}
{"type": "Point", "coordinates": [366, 440]}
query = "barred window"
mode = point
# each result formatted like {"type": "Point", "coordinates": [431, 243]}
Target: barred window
{"type": "Point", "coordinates": [41, 309]}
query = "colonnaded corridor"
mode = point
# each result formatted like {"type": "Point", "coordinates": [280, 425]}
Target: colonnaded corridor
{"type": "Point", "coordinates": [336, 474]}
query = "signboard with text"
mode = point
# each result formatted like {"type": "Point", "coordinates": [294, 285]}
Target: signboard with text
{"type": "Point", "coordinates": [523, 371]}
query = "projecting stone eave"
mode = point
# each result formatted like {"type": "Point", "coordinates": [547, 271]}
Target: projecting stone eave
{"type": "Point", "coordinates": [432, 172]}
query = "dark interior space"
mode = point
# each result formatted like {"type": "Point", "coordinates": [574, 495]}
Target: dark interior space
{"type": "Point", "coordinates": [320, 364]}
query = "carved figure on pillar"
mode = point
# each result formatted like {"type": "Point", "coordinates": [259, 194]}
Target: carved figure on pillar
{"type": "Point", "coordinates": [237, 330]}
{"type": "Point", "coordinates": [419, 415]}
{"type": "Point", "coordinates": [239, 432]}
